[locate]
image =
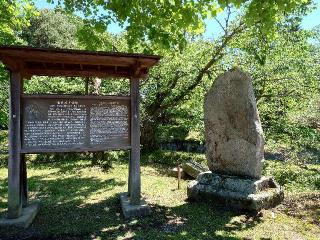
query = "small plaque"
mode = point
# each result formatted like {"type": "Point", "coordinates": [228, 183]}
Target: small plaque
{"type": "Point", "coordinates": [65, 123]}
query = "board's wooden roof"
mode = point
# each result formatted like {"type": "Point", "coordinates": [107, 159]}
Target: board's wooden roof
{"type": "Point", "coordinates": [66, 62]}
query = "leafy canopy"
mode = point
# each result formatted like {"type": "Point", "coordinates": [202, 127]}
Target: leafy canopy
{"type": "Point", "coordinates": [14, 15]}
{"type": "Point", "coordinates": [168, 22]}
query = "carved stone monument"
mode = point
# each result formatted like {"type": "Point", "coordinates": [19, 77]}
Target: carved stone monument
{"type": "Point", "coordinates": [234, 143]}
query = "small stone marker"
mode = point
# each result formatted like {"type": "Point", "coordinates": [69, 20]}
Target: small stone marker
{"type": "Point", "coordinates": [193, 168]}
{"type": "Point", "coordinates": [234, 148]}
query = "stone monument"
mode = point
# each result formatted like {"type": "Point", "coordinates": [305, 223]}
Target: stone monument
{"type": "Point", "coordinates": [234, 148]}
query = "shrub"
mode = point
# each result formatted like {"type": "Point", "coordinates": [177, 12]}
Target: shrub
{"type": "Point", "coordinates": [294, 177]}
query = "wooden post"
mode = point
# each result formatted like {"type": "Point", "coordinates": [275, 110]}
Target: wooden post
{"type": "Point", "coordinates": [24, 183]}
{"type": "Point", "coordinates": [86, 85]}
{"type": "Point", "coordinates": [179, 176]}
{"type": "Point", "coordinates": [14, 164]}
{"type": "Point", "coordinates": [134, 166]}
{"type": "Point", "coordinates": [23, 166]}
{"type": "Point", "coordinates": [130, 175]}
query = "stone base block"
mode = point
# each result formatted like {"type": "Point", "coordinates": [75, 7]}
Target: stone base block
{"type": "Point", "coordinates": [236, 192]}
{"type": "Point", "coordinates": [193, 168]}
{"type": "Point", "coordinates": [130, 210]}
{"type": "Point", "coordinates": [26, 218]}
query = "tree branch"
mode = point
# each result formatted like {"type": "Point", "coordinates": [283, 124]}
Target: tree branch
{"type": "Point", "coordinates": [216, 56]}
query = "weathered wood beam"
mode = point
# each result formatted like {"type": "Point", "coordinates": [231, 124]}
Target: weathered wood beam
{"type": "Point", "coordinates": [136, 68]}
{"type": "Point", "coordinates": [75, 149]}
{"type": "Point", "coordinates": [23, 163]}
{"type": "Point", "coordinates": [44, 65]}
{"type": "Point", "coordinates": [14, 164]}
{"type": "Point", "coordinates": [70, 58]}
{"type": "Point", "coordinates": [134, 171]}
{"type": "Point", "coordinates": [14, 65]}
{"type": "Point", "coordinates": [24, 182]}
{"type": "Point", "coordinates": [79, 73]}
{"type": "Point", "coordinates": [67, 96]}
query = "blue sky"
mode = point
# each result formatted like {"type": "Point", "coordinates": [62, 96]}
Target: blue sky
{"type": "Point", "coordinates": [212, 27]}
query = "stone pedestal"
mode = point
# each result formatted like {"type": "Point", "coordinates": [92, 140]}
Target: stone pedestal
{"type": "Point", "coordinates": [26, 218]}
{"type": "Point", "coordinates": [236, 192]}
{"type": "Point", "coordinates": [129, 210]}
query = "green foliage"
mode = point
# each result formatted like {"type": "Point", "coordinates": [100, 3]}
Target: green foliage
{"type": "Point", "coordinates": [171, 158]}
{"type": "Point", "coordinates": [4, 97]}
{"type": "Point", "coordinates": [91, 38]}
{"type": "Point", "coordinates": [284, 68]}
{"type": "Point", "coordinates": [51, 29]}
{"type": "Point", "coordinates": [285, 76]}
{"type": "Point", "coordinates": [3, 148]}
{"type": "Point", "coordinates": [14, 16]}
{"type": "Point", "coordinates": [57, 85]}
{"type": "Point", "coordinates": [170, 106]}
{"type": "Point", "coordinates": [294, 177]}
{"type": "Point", "coordinates": [286, 82]}
{"type": "Point", "coordinates": [57, 29]}
{"type": "Point", "coordinates": [166, 23]}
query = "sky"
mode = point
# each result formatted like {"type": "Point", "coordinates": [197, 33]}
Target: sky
{"type": "Point", "coordinates": [212, 27]}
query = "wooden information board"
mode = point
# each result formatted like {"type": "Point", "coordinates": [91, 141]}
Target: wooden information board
{"type": "Point", "coordinates": [69, 123]}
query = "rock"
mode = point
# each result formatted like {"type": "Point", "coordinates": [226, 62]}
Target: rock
{"type": "Point", "coordinates": [236, 192]}
{"type": "Point", "coordinates": [193, 168]}
{"type": "Point", "coordinates": [234, 148]}
{"type": "Point", "coordinates": [233, 133]}
{"type": "Point", "coordinates": [174, 172]}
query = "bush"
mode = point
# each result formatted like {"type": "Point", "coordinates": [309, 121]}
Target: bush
{"type": "Point", "coordinates": [294, 177]}
{"type": "Point", "coordinates": [171, 158]}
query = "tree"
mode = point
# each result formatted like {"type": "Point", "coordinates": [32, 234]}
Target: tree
{"type": "Point", "coordinates": [285, 72]}
{"type": "Point", "coordinates": [178, 77]}
{"type": "Point", "coordinates": [14, 16]}
{"type": "Point", "coordinates": [57, 29]}
{"type": "Point", "coordinates": [167, 23]}
{"type": "Point", "coordinates": [160, 25]}
{"type": "Point", "coordinates": [51, 29]}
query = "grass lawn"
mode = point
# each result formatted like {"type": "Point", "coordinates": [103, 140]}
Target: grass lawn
{"type": "Point", "coordinates": [79, 201]}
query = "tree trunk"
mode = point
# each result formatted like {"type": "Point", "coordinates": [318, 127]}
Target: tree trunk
{"type": "Point", "coordinates": [148, 135]}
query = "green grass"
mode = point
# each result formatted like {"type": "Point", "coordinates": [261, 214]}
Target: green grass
{"type": "Point", "coordinates": [79, 201]}
{"type": "Point", "coordinates": [3, 147]}
{"type": "Point", "coordinates": [294, 177]}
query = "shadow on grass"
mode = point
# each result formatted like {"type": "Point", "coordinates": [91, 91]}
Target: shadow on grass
{"type": "Point", "coordinates": [304, 206]}
{"type": "Point", "coordinates": [93, 221]}
{"type": "Point", "coordinates": [63, 214]}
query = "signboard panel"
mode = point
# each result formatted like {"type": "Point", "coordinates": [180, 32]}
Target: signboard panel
{"type": "Point", "coordinates": [68, 123]}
